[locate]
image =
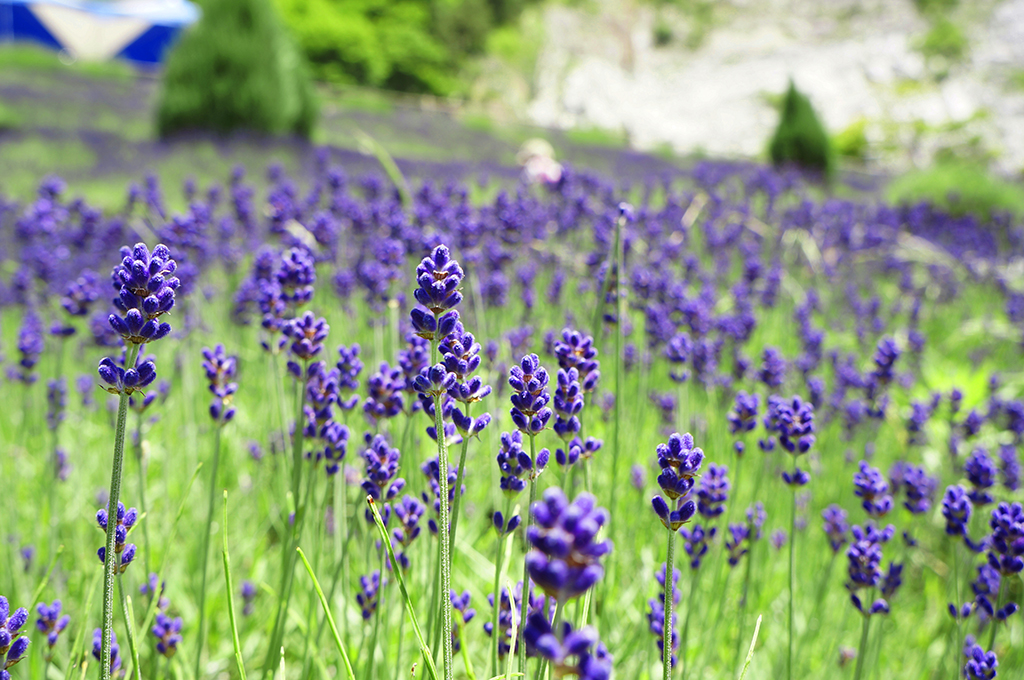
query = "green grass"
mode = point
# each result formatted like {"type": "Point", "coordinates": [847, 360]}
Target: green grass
{"type": "Point", "coordinates": [960, 188]}
{"type": "Point", "coordinates": [43, 60]}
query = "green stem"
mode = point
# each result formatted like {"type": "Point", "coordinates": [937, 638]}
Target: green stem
{"type": "Point", "coordinates": [994, 623]}
{"type": "Point", "coordinates": [142, 491]}
{"type": "Point", "coordinates": [743, 603]}
{"type": "Point", "coordinates": [330, 619]}
{"type": "Point", "coordinates": [428, 658]}
{"type": "Point", "coordinates": [666, 637]}
{"type": "Point", "coordinates": [211, 498]}
{"type": "Point", "coordinates": [498, 560]}
{"type": "Point", "coordinates": [863, 649]}
{"type": "Point", "coordinates": [684, 638]}
{"type": "Point", "coordinates": [458, 490]}
{"type": "Point", "coordinates": [959, 627]}
{"type": "Point", "coordinates": [377, 616]}
{"type": "Point", "coordinates": [444, 532]}
{"type": "Point", "coordinates": [792, 583]}
{"type": "Point", "coordinates": [129, 624]}
{"type": "Point", "coordinates": [132, 353]}
{"type": "Point", "coordinates": [231, 597]}
{"type": "Point", "coordinates": [525, 597]}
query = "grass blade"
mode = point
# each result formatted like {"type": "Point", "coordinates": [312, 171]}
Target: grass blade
{"type": "Point", "coordinates": [330, 618]}
{"type": "Point", "coordinates": [46, 579]}
{"type": "Point", "coordinates": [231, 596]}
{"type": "Point", "coordinates": [428, 658]}
{"type": "Point", "coordinates": [750, 652]}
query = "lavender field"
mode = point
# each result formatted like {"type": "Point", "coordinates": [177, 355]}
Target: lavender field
{"type": "Point", "coordinates": [723, 420]}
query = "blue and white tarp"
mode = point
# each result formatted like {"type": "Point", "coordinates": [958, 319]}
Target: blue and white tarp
{"type": "Point", "coordinates": [95, 30]}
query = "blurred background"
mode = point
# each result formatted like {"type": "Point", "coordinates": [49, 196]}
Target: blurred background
{"type": "Point", "coordinates": [912, 98]}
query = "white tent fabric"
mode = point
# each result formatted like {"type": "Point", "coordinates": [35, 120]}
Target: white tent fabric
{"type": "Point", "coordinates": [137, 30]}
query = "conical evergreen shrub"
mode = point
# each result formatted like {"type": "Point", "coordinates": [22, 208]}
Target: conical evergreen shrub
{"type": "Point", "coordinates": [800, 139]}
{"type": "Point", "coordinates": [237, 69]}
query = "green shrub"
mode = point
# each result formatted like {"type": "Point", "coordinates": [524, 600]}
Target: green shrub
{"type": "Point", "coordinates": [944, 39]}
{"type": "Point", "coordinates": [800, 139]}
{"type": "Point", "coordinates": [237, 69]}
{"type": "Point", "coordinates": [852, 142]}
{"type": "Point", "coordinates": [935, 7]}
{"type": "Point", "coordinates": [960, 188]}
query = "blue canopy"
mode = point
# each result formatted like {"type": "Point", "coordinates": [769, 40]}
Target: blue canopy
{"type": "Point", "coordinates": [137, 30]}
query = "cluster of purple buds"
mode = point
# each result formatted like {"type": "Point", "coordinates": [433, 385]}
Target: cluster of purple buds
{"type": "Point", "coordinates": [154, 587]}
{"type": "Point", "coordinates": [296, 275]}
{"type": "Point", "coordinates": [115, 652]}
{"type": "Point", "coordinates": [508, 609]}
{"type": "Point", "coordinates": [382, 482]}
{"type": "Point", "coordinates": [986, 593]}
{"type": "Point", "coordinates": [918, 486]}
{"type": "Point", "coordinates": [529, 383]}
{"type": "Point", "coordinates": [516, 466]}
{"type": "Point", "coordinates": [349, 367]}
{"type": "Point", "coordinates": [565, 559]}
{"type": "Point", "coordinates": [146, 285]}
{"type": "Point", "coordinates": [571, 652]}
{"type": "Point", "coordinates": [568, 402]}
{"type": "Point", "coordinates": [368, 596]}
{"type": "Point", "coordinates": [51, 623]}
{"type": "Point", "coordinates": [577, 350]}
{"type": "Point", "coordinates": [461, 356]}
{"type": "Point", "coordinates": [1009, 467]}
{"type": "Point", "coordinates": [871, 486]}
{"type": "Point", "coordinates": [122, 381]}
{"type": "Point", "coordinates": [167, 631]}
{"type": "Point", "coordinates": [30, 346]}
{"type": "Point", "coordinates": [13, 644]}
{"type": "Point", "coordinates": [460, 603]}
{"type": "Point", "coordinates": [307, 333]}
{"type": "Point", "coordinates": [680, 462]}
{"type": "Point", "coordinates": [81, 294]}
{"type": "Point", "coordinates": [1006, 543]}
{"type": "Point", "coordinates": [385, 397]}
{"type": "Point", "coordinates": [773, 369]}
{"type": "Point", "coordinates": [56, 402]}
{"type": "Point", "coordinates": [713, 491]}
{"type": "Point", "coordinates": [408, 511]}
{"type": "Point", "coordinates": [220, 373]}
{"type": "Point", "coordinates": [696, 542]}
{"type": "Point", "coordinates": [981, 473]}
{"type": "Point", "coordinates": [836, 527]}
{"type": "Point", "coordinates": [865, 571]}
{"type": "Point", "coordinates": [125, 523]}
{"type": "Point", "coordinates": [957, 509]}
{"type": "Point", "coordinates": [742, 536]}
{"type": "Point", "coordinates": [577, 450]}
{"type": "Point", "coordinates": [743, 417]}
{"type": "Point", "coordinates": [980, 665]}
{"type": "Point", "coordinates": [438, 278]}
{"type": "Point", "coordinates": [656, 615]}
{"type": "Point", "coordinates": [248, 593]}
{"type": "Point", "coordinates": [677, 351]}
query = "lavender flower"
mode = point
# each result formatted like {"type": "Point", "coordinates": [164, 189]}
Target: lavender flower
{"type": "Point", "coordinates": [220, 372]}
{"type": "Point", "coordinates": [248, 593]}
{"type": "Point", "coordinates": [167, 631]}
{"type": "Point", "coordinates": [51, 623]}
{"type": "Point", "coordinates": [349, 367]}
{"type": "Point", "coordinates": [576, 350]}
{"type": "Point", "coordinates": [565, 560]}
{"type": "Point", "coordinates": [125, 522]}
{"type": "Point", "coordinates": [115, 652]}
{"type": "Point", "coordinates": [506, 611]}
{"type": "Point", "coordinates": [680, 462]}
{"type": "Point", "coordinates": [516, 466]}
{"type": "Point", "coordinates": [382, 481]}
{"type": "Point", "coordinates": [438, 278]}
{"type": "Point", "coordinates": [460, 603]}
{"type": "Point", "coordinates": [570, 652]}
{"type": "Point", "coordinates": [368, 596]}
{"type": "Point", "coordinates": [981, 473]}
{"type": "Point", "coordinates": [871, 486]}
{"type": "Point", "coordinates": [865, 571]}
{"type": "Point", "coordinates": [713, 491]}
{"type": "Point", "coordinates": [835, 527]}
{"type": "Point", "coordinates": [146, 286]}
{"type": "Point", "coordinates": [529, 382]}
{"type": "Point", "coordinates": [980, 665]}
{"type": "Point", "coordinates": [742, 536]}
{"type": "Point", "coordinates": [12, 643]}
{"type": "Point", "coordinates": [1006, 543]}
{"type": "Point", "coordinates": [696, 542]}
{"type": "Point", "coordinates": [1009, 467]}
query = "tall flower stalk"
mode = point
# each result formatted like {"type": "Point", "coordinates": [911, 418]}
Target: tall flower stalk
{"type": "Point", "coordinates": [438, 278]}
{"type": "Point", "coordinates": [680, 462]}
{"type": "Point", "coordinates": [220, 373]}
{"type": "Point", "coordinates": [146, 286]}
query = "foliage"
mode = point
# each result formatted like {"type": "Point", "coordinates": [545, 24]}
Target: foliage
{"type": "Point", "coordinates": [800, 138]}
{"type": "Point", "coordinates": [935, 7]}
{"type": "Point", "coordinates": [408, 45]}
{"type": "Point", "coordinates": [961, 188]}
{"type": "Point", "coordinates": [237, 69]}
{"type": "Point", "coordinates": [944, 39]}
{"type": "Point", "coordinates": [852, 142]}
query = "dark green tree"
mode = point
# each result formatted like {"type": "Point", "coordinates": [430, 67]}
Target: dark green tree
{"type": "Point", "coordinates": [237, 69]}
{"type": "Point", "coordinates": [800, 139]}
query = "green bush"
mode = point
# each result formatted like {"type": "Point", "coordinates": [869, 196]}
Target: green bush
{"type": "Point", "coordinates": [935, 7]}
{"type": "Point", "coordinates": [852, 142]}
{"type": "Point", "coordinates": [800, 139]}
{"type": "Point", "coordinates": [407, 45]}
{"type": "Point", "coordinates": [960, 188]}
{"type": "Point", "coordinates": [237, 69]}
{"type": "Point", "coordinates": [944, 39]}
